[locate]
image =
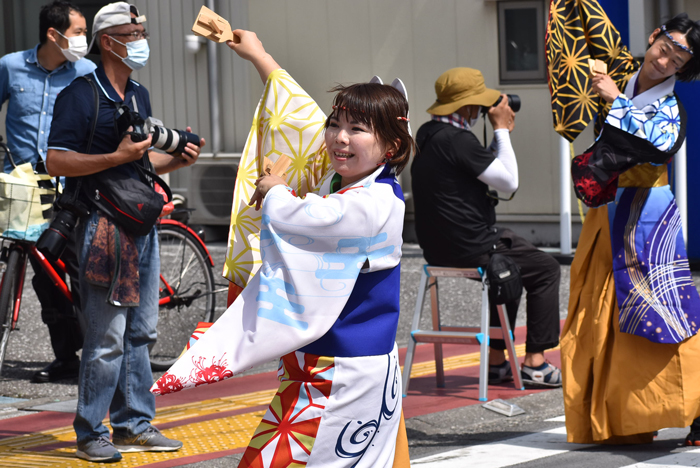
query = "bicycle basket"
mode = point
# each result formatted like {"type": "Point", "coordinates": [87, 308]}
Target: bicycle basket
{"type": "Point", "coordinates": [25, 208]}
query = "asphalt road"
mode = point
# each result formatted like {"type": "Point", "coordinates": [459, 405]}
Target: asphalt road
{"type": "Point", "coordinates": [29, 350]}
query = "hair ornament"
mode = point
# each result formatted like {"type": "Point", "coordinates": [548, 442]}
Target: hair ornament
{"type": "Point", "coordinates": [343, 108]}
{"type": "Point", "coordinates": [405, 119]}
{"type": "Point", "coordinates": [675, 42]}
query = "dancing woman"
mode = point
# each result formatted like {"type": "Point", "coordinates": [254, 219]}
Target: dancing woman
{"type": "Point", "coordinates": [629, 345]}
{"type": "Point", "coordinates": [326, 297]}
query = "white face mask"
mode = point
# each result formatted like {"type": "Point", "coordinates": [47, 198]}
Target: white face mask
{"type": "Point", "coordinates": [77, 47]}
{"type": "Point", "coordinates": [473, 121]}
{"type": "Point", "coordinates": [137, 53]}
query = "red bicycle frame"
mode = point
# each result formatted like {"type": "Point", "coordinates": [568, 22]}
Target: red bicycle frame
{"type": "Point", "coordinates": [61, 284]}
{"type": "Point", "coordinates": [46, 265]}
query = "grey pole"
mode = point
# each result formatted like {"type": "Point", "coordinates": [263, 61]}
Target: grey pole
{"type": "Point", "coordinates": [664, 11]}
{"type": "Point", "coordinates": [564, 196]}
{"type": "Point", "coordinates": [213, 69]}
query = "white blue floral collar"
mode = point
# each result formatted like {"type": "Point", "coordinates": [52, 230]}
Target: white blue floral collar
{"type": "Point", "coordinates": [652, 95]}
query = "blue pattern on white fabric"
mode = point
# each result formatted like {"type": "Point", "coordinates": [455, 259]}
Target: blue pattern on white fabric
{"type": "Point", "coordinates": [354, 440]}
{"type": "Point", "coordinates": [271, 290]}
{"type": "Point", "coordinates": [658, 123]}
{"type": "Point", "coordinates": [350, 259]}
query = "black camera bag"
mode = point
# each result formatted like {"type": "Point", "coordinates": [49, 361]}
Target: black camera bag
{"type": "Point", "coordinates": [503, 277]}
{"type": "Point", "coordinates": [131, 203]}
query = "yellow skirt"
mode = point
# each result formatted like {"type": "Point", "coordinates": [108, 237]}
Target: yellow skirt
{"type": "Point", "coordinates": [618, 387]}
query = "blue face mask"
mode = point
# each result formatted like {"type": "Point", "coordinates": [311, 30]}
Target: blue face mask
{"type": "Point", "coordinates": [137, 53]}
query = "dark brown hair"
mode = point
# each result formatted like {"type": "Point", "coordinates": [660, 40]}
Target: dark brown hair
{"type": "Point", "coordinates": [377, 106]}
{"type": "Point", "coordinates": [691, 30]}
{"type": "Point", "coordinates": [55, 15]}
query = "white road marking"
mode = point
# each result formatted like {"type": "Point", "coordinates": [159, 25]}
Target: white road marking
{"type": "Point", "coordinates": [561, 418]}
{"type": "Point", "coordinates": [501, 454]}
{"type": "Point", "coordinates": [683, 459]}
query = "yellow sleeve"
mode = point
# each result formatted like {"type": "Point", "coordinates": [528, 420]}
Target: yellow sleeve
{"type": "Point", "coordinates": [287, 122]}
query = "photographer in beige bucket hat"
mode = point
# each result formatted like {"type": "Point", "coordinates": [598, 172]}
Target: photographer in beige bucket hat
{"type": "Point", "coordinates": [455, 212]}
{"type": "Point", "coordinates": [459, 87]}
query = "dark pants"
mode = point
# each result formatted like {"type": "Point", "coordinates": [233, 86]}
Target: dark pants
{"type": "Point", "coordinates": [540, 274]}
{"type": "Point", "coordinates": [57, 312]}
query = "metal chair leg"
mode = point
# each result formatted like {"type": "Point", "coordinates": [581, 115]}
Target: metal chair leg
{"type": "Point", "coordinates": [435, 306]}
{"type": "Point", "coordinates": [484, 344]}
{"type": "Point", "coordinates": [510, 345]}
{"type": "Point", "coordinates": [408, 363]}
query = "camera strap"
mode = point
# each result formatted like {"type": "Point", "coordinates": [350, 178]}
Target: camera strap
{"type": "Point", "coordinates": [146, 169]}
{"type": "Point", "coordinates": [145, 160]}
{"type": "Point", "coordinates": [96, 96]}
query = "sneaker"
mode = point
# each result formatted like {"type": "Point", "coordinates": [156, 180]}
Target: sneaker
{"type": "Point", "coordinates": [500, 373]}
{"type": "Point", "coordinates": [150, 440]}
{"type": "Point", "coordinates": [100, 450]}
{"type": "Point", "coordinates": [544, 376]}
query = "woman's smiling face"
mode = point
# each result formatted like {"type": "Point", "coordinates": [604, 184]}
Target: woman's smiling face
{"type": "Point", "coordinates": [353, 147]}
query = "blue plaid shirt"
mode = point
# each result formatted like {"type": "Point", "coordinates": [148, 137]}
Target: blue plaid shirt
{"type": "Point", "coordinates": [31, 91]}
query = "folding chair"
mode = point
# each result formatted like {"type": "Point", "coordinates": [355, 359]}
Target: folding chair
{"type": "Point", "coordinates": [462, 335]}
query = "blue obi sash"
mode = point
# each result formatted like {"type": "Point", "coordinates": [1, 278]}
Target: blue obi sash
{"type": "Point", "coordinates": [367, 325]}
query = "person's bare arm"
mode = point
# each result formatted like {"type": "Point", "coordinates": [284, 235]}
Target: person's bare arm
{"type": "Point", "coordinates": [251, 49]}
{"type": "Point", "coordinates": [73, 164]}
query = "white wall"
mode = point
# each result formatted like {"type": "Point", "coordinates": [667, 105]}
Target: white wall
{"type": "Point", "coordinates": [323, 43]}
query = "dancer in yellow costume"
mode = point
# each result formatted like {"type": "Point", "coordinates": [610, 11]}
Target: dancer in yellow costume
{"type": "Point", "coordinates": [629, 346]}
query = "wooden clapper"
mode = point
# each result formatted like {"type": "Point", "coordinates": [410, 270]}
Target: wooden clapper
{"type": "Point", "coordinates": [597, 67]}
{"type": "Point", "coordinates": [279, 168]}
{"type": "Point", "coordinates": [212, 26]}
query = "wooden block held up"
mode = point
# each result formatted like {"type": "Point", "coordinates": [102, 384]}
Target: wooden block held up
{"type": "Point", "coordinates": [279, 168]}
{"type": "Point", "coordinates": [212, 26]}
{"type": "Point", "coordinates": [597, 67]}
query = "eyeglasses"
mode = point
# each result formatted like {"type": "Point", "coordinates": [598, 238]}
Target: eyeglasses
{"type": "Point", "coordinates": [136, 35]}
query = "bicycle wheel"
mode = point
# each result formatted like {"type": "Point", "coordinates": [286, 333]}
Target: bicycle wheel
{"type": "Point", "coordinates": [186, 287]}
{"type": "Point", "coordinates": [8, 291]}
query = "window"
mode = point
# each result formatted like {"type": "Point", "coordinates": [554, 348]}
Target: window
{"type": "Point", "coordinates": [521, 41]}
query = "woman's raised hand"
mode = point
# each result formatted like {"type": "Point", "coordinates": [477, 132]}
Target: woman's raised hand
{"type": "Point", "coordinates": [250, 48]}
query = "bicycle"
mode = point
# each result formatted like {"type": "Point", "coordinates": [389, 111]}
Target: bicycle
{"type": "Point", "coordinates": [187, 294]}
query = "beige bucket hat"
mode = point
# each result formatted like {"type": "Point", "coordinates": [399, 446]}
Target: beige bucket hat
{"type": "Point", "coordinates": [459, 87]}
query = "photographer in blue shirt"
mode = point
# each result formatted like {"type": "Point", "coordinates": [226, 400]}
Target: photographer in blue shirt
{"type": "Point", "coordinates": [30, 81]}
{"type": "Point", "coordinates": [87, 140]}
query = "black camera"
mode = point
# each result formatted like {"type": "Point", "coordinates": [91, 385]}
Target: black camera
{"type": "Point", "coordinates": [513, 102]}
{"type": "Point", "coordinates": [166, 139]}
{"type": "Point", "coordinates": [54, 239]}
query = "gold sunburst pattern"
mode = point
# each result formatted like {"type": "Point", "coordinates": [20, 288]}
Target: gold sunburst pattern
{"type": "Point", "coordinates": [578, 30]}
